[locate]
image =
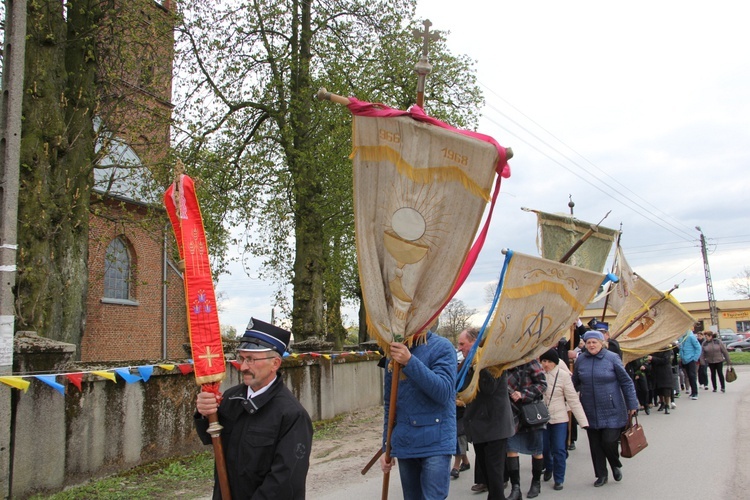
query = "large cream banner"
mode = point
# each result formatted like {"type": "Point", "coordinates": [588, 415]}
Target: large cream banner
{"type": "Point", "coordinates": [539, 302]}
{"type": "Point", "coordinates": [648, 321]}
{"type": "Point", "coordinates": [419, 194]}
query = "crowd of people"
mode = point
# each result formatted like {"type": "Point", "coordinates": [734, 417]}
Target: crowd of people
{"type": "Point", "coordinates": [267, 434]}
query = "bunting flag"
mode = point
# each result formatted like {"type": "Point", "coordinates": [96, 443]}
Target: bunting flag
{"type": "Point", "coordinates": [203, 318]}
{"type": "Point", "coordinates": [75, 379]}
{"type": "Point", "coordinates": [648, 321]}
{"type": "Point", "coordinates": [558, 233]}
{"type": "Point", "coordinates": [127, 376]}
{"type": "Point", "coordinates": [106, 374]}
{"type": "Point", "coordinates": [146, 372]}
{"type": "Point", "coordinates": [420, 190]}
{"type": "Point", "coordinates": [16, 382]}
{"type": "Point", "coordinates": [50, 381]}
{"type": "Point", "coordinates": [538, 301]}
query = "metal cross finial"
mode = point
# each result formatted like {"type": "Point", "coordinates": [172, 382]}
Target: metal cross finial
{"type": "Point", "coordinates": [423, 67]}
{"type": "Point", "coordinates": [426, 36]}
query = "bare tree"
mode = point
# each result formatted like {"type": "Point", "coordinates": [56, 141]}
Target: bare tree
{"type": "Point", "coordinates": [454, 319]}
{"type": "Point", "coordinates": [740, 284]}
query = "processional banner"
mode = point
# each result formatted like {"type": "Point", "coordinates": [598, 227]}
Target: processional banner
{"type": "Point", "coordinates": [203, 318]}
{"type": "Point", "coordinates": [558, 233]}
{"type": "Point", "coordinates": [622, 289]}
{"type": "Point", "coordinates": [420, 189]}
{"type": "Point", "coordinates": [539, 300]}
{"type": "Point", "coordinates": [648, 321]}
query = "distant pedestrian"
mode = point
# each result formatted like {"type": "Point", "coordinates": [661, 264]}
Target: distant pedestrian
{"type": "Point", "coordinates": [715, 354]}
{"type": "Point", "coordinates": [690, 354]}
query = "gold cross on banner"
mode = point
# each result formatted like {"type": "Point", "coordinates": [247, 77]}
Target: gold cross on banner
{"type": "Point", "coordinates": [209, 356]}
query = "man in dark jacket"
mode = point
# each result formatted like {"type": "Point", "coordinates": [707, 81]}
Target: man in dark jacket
{"type": "Point", "coordinates": [267, 434]}
{"type": "Point", "coordinates": [488, 421]}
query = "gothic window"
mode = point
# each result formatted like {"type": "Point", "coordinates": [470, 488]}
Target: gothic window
{"type": "Point", "coordinates": [117, 271]}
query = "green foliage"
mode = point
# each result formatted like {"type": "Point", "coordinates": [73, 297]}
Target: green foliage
{"type": "Point", "coordinates": [740, 358]}
{"type": "Point", "coordinates": [277, 161]}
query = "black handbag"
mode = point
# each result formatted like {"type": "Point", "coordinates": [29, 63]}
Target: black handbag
{"type": "Point", "coordinates": [534, 414]}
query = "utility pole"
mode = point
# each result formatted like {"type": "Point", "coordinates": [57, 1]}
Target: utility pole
{"type": "Point", "coordinates": [14, 47]}
{"type": "Point", "coordinates": [709, 286]}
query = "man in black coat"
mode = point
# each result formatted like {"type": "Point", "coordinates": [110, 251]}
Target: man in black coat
{"type": "Point", "coordinates": [267, 434]}
{"type": "Point", "coordinates": [488, 421]}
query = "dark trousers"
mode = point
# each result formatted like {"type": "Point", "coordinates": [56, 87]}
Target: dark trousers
{"type": "Point", "coordinates": [717, 368]}
{"type": "Point", "coordinates": [702, 375]}
{"type": "Point", "coordinates": [603, 446]}
{"type": "Point", "coordinates": [691, 369]}
{"type": "Point", "coordinates": [490, 465]}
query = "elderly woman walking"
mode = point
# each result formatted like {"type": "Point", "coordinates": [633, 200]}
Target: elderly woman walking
{"type": "Point", "coordinates": [608, 398]}
{"type": "Point", "coordinates": [714, 353]}
{"type": "Point", "coordinates": [559, 397]}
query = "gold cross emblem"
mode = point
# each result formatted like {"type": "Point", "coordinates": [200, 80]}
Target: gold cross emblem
{"type": "Point", "coordinates": [209, 356]}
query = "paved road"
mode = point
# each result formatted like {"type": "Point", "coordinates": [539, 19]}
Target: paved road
{"type": "Point", "coordinates": [700, 451]}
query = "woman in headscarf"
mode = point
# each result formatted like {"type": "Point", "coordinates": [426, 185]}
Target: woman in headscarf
{"type": "Point", "coordinates": [559, 397]}
{"type": "Point", "coordinates": [608, 398]}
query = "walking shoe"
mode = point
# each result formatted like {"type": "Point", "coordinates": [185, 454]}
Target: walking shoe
{"type": "Point", "coordinates": [572, 446]}
{"type": "Point", "coordinates": [479, 488]}
{"type": "Point", "coordinates": [515, 492]}
{"type": "Point", "coordinates": [600, 481]}
{"type": "Point", "coordinates": [694, 397]}
{"type": "Point", "coordinates": [722, 390]}
{"type": "Point", "coordinates": [677, 395]}
{"type": "Point", "coordinates": [616, 473]}
{"type": "Point", "coordinates": [557, 486]}
{"type": "Point", "coordinates": [464, 467]}
{"type": "Point", "coordinates": [454, 473]}
{"type": "Point", "coordinates": [547, 475]}
{"type": "Point", "coordinates": [534, 490]}
{"type": "Point", "coordinates": [713, 390]}
{"type": "Point", "coordinates": [706, 388]}
{"type": "Point", "coordinates": [673, 405]}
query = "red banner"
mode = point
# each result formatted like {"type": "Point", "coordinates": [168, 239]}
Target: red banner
{"type": "Point", "coordinates": [203, 318]}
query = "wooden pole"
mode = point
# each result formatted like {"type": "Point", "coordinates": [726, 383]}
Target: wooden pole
{"type": "Point", "coordinates": [214, 430]}
{"type": "Point", "coordinates": [391, 423]}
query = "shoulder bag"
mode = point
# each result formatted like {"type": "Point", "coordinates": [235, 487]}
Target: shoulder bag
{"type": "Point", "coordinates": [632, 439]}
{"type": "Point", "coordinates": [731, 375]}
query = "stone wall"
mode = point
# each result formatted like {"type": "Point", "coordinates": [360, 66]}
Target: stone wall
{"type": "Point", "coordinates": [109, 427]}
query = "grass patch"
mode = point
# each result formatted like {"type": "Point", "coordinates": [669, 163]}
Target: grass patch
{"type": "Point", "coordinates": [324, 429]}
{"type": "Point", "coordinates": [739, 358]}
{"type": "Point", "coordinates": [192, 476]}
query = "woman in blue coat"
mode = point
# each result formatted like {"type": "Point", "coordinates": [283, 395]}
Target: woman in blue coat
{"type": "Point", "coordinates": [608, 398]}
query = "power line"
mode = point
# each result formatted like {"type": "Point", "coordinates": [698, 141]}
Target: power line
{"type": "Point", "coordinates": [648, 216]}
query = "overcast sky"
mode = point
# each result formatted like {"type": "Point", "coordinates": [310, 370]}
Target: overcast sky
{"type": "Point", "coordinates": [639, 107]}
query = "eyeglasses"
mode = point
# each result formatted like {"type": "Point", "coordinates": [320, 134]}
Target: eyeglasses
{"type": "Point", "coordinates": [250, 360]}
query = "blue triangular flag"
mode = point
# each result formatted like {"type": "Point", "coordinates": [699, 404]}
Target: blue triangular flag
{"type": "Point", "coordinates": [126, 375]}
{"type": "Point", "coordinates": [50, 381]}
{"type": "Point", "coordinates": [146, 372]}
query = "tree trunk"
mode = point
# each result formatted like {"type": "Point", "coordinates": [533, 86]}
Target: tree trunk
{"type": "Point", "coordinates": [309, 263]}
{"type": "Point", "coordinates": [57, 150]}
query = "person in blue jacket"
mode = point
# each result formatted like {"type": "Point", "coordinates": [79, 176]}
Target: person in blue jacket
{"type": "Point", "coordinates": [608, 399]}
{"type": "Point", "coordinates": [423, 439]}
{"type": "Point", "coordinates": [690, 354]}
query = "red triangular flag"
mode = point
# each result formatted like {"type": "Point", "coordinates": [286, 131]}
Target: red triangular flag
{"type": "Point", "coordinates": [75, 379]}
{"type": "Point", "coordinates": [185, 368]}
